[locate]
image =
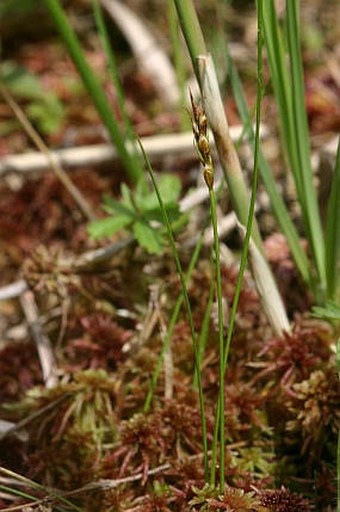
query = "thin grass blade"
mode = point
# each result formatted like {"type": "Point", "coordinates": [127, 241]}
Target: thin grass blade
{"type": "Point", "coordinates": [307, 195]}
{"type": "Point", "coordinates": [188, 308]}
{"type": "Point", "coordinates": [278, 206]}
{"type": "Point", "coordinates": [293, 123]}
{"type": "Point", "coordinates": [128, 129]}
{"type": "Point", "coordinates": [93, 86]}
{"type": "Point", "coordinates": [333, 234]}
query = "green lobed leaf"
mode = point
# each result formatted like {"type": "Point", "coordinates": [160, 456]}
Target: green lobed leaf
{"type": "Point", "coordinates": [107, 227]}
{"type": "Point", "coordinates": [115, 207]}
{"type": "Point", "coordinates": [156, 214]}
{"type": "Point", "coordinates": [147, 237]}
{"type": "Point", "coordinates": [21, 82]}
{"type": "Point", "coordinates": [44, 106]}
{"type": "Point", "coordinates": [126, 196]}
{"type": "Point", "coordinates": [47, 114]}
{"type": "Point", "coordinates": [170, 189]}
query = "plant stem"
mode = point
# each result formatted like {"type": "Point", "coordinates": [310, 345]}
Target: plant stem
{"type": "Point", "coordinates": [191, 30]}
{"type": "Point", "coordinates": [332, 237]}
{"type": "Point", "coordinates": [244, 256]}
{"type": "Point", "coordinates": [188, 308]}
{"type": "Point", "coordinates": [178, 58]}
{"type": "Point", "coordinates": [301, 138]}
{"type": "Point", "coordinates": [251, 211]}
{"type": "Point", "coordinates": [171, 326]}
{"type": "Point", "coordinates": [206, 77]}
{"type": "Point", "coordinates": [220, 333]}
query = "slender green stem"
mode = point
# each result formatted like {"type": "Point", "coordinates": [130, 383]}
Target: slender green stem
{"type": "Point", "coordinates": [34, 485]}
{"type": "Point", "coordinates": [93, 85]}
{"type": "Point", "coordinates": [220, 332]}
{"type": "Point", "coordinates": [289, 93]}
{"type": "Point", "coordinates": [111, 61]}
{"type": "Point", "coordinates": [248, 232]}
{"type": "Point", "coordinates": [171, 326]}
{"type": "Point", "coordinates": [188, 308]}
{"type": "Point", "coordinates": [251, 212]}
{"type": "Point", "coordinates": [203, 337]}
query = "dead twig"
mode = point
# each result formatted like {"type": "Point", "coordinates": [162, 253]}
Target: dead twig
{"type": "Point", "coordinates": [53, 163]}
{"type": "Point", "coordinates": [44, 347]}
{"type": "Point", "coordinates": [158, 146]}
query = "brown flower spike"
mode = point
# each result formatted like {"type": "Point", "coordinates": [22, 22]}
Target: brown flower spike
{"type": "Point", "coordinates": [200, 130]}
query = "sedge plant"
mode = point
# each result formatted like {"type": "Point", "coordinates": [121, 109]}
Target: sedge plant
{"type": "Point", "coordinates": [200, 130]}
{"type": "Point", "coordinates": [224, 352]}
{"type": "Point", "coordinates": [200, 124]}
{"type": "Point", "coordinates": [321, 272]}
{"type": "Point", "coordinates": [207, 79]}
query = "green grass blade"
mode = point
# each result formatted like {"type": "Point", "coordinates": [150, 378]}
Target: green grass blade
{"type": "Point", "coordinates": [278, 206]}
{"type": "Point", "coordinates": [280, 80]}
{"type": "Point", "coordinates": [116, 82]}
{"type": "Point", "coordinates": [333, 234]}
{"type": "Point", "coordinates": [111, 61]}
{"type": "Point", "coordinates": [293, 122]}
{"type": "Point", "coordinates": [301, 135]}
{"type": "Point", "coordinates": [179, 61]}
{"type": "Point", "coordinates": [188, 308]}
{"type": "Point", "coordinates": [53, 494]}
{"type": "Point", "coordinates": [251, 211]}
{"type": "Point", "coordinates": [192, 31]}
{"type": "Point", "coordinates": [93, 86]}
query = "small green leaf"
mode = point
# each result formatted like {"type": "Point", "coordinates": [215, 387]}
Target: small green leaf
{"type": "Point", "coordinates": [44, 107]}
{"type": "Point", "coordinates": [21, 82]}
{"type": "Point", "coordinates": [141, 191]}
{"type": "Point", "coordinates": [107, 227]}
{"type": "Point", "coordinates": [169, 187]}
{"type": "Point", "coordinates": [148, 237]}
{"type": "Point", "coordinates": [47, 114]}
{"type": "Point", "coordinates": [126, 196]}
{"type": "Point", "coordinates": [115, 207]}
{"type": "Point", "coordinates": [156, 214]}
